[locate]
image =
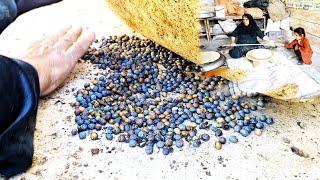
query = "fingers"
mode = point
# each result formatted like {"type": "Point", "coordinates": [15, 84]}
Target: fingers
{"type": "Point", "coordinates": [69, 38]}
{"type": "Point", "coordinates": [80, 47]}
{"type": "Point", "coordinates": [36, 44]}
{"type": "Point", "coordinates": [53, 39]}
{"type": "Point", "coordinates": [49, 40]}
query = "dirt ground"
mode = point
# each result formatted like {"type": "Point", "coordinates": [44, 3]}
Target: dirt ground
{"type": "Point", "coordinates": [58, 155]}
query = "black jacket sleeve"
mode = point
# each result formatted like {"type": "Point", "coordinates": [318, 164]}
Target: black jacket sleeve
{"type": "Point", "coordinates": [259, 32]}
{"type": "Point", "coordinates": [27, 5]}
{"type": "Point", "coordinates": [235, 33]}
{"type": "Point", "coordinates": [19, 88]}
{"type": "Point", "coordinates": [8, 13]}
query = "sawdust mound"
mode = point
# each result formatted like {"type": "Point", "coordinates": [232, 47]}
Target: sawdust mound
{"type": "Point", "coordinates": [171, 23]}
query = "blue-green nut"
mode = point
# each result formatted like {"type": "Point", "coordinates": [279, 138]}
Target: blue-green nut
{"type": "Point", "coordinates": [246, 123]}
{"type": "Point", "coordinates": [179, 144]}
{"type": "Point", "coordinates": [232, 124]}
{"type": "Point", "coordinates": [222, 140]}
{"type": "Point", "coordinates": [97, 127]}
{"type": "Point", "coordinates": [149, 149]}
{"type": "Point", "coordinates": [269, 121]}
{"type": "Point", "coordinates": [261, 104]}
{"type": "Point", "coordinates": [82, 135]}
{"type": "Point", "coordinates": [263, 118]}
{"type": "Point", "coordinates": [83, 127]}
{"type": "Point", "coordinates": [177, 137]}
{"type": "Point", "coordinates": [166, 151]}
{"type": "Point", "coordinates": [225, 127]}
{"type": "Point", "coordinates": [142, 143]}
{"type": "Point", "coordinates": [233, 139]}
{"type": "Point", "coordinates": [160, 144]}
{"type": "Point", "coordinates": [247, 128]}
{"type": "Point", "coordinates": [196, 143]}
{"type": "Point", "coordinates": [218, 133]}
{"type": "Point", "coordinates": [260, 125]}
{"type": "Point", "coordinates": [244, 132]}
{"type": "Point", "coordinates": [213, 128]}
{"type": "Point", "coordinates": [141, 134]}
{"type": "Point", "coordinates": [237, 128]}
{"type": "Point", "coordinates": [205, 137]}
{"type": "Point", "coordinates": [74, 132]}
{"type": "Point", "coordinates": [133, 143]}
{"type": "Point", "coordinates": [91, 126]}
{"type": "Point", "coordinates": [109, 136]}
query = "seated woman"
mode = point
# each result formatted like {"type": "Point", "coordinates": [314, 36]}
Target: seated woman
{"type": "Point", "coordinates": [247, 33]}
{"type": "Point", "coordinates": [301, 46]}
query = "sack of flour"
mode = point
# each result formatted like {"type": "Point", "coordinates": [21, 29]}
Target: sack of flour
{"type": "Point", "coordinates": [228, 26]}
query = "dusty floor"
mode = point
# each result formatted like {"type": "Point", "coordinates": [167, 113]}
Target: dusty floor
{"type": "Point", "coordinates": [58, 155]}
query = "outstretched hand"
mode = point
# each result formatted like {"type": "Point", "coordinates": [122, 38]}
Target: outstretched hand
{"type": "Point", "coordinates": [233, 44]}
{"type": "Point", "coordinates": [271, 43]}
{"type": "Point", "coordinates": [55, 57]}
{"type": "Point", "coordinates": [280, 44]}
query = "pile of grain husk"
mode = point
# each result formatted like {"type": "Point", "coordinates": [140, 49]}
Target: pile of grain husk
{"type": "Point", "coordinates": [171, 23]}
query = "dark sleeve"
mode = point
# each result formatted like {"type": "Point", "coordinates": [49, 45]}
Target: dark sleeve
{"type": "Point", "coordinates": [259, 32]}
{"type": "Point", "coordinates": [19, 89]}
{"type": "Point", "coordinates": [27, 5]}
{"type": "Point", "coordinates": [236, 32]}
{"type": "Point", "coordinates": [8, 13]}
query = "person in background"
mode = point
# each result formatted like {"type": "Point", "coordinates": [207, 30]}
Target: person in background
{"type": "Point", "coordinates": [46, 65]}
{"type": "Point", "coordinates": [246, 33]}
{"type": "Point", "coordinates": [301, 46]}
{"type": "Point", "coordinates": [11, 9]}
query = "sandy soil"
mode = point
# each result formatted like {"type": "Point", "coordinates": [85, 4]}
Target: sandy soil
{"type": "Point", "coordinates": [58, 155]}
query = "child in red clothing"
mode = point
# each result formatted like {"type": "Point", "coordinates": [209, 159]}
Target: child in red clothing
{"type": "Point", "coordinates": [301, 46]}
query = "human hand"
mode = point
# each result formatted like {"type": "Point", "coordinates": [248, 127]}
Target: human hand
{"type": "Point", "coordinates": [271, 43]}
{"type": "Point", "coordinates": [233, 44]}
{"type": "Point", "coordinates": [54, 57]}
{"type": "Point", "coordinates": [279, 44]}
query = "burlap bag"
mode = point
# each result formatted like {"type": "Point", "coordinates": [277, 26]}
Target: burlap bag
{"type": "Point", "coordinates": [254, 12]}
{"type": "Point", "coordinates": [277, 10]}
{"type": "Point", "coordinates": [231, 7]}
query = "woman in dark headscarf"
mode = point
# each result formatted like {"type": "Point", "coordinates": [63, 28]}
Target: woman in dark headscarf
{"type": "Point", "coordinates": [247, 33]}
